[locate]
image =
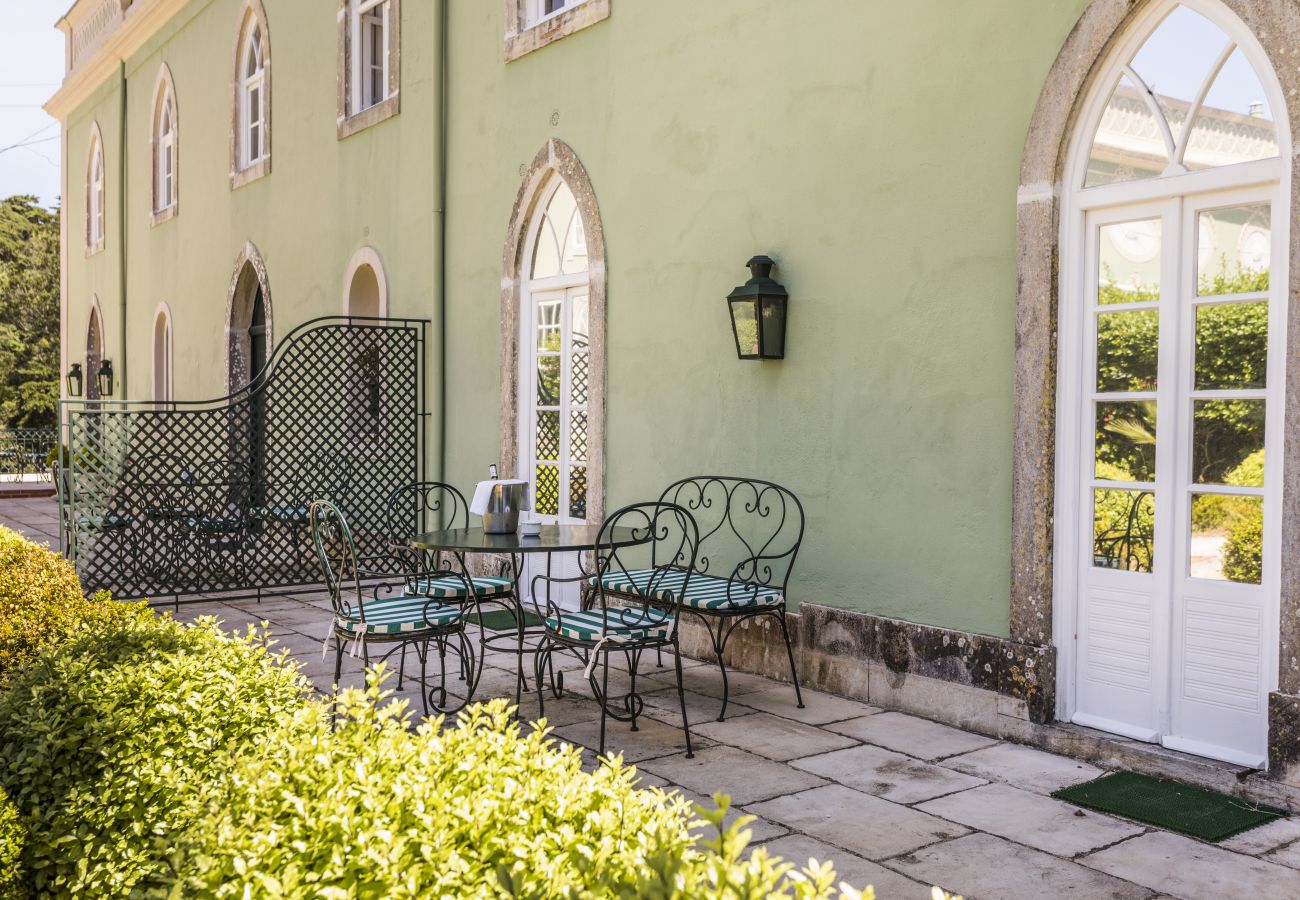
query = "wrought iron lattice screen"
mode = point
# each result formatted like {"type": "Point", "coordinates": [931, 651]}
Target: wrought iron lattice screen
{"type": "Point", "coordinates": [164, 500]}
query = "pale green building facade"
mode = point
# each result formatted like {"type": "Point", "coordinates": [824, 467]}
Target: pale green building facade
{"type": "Point", "coordinates": [910, 168]}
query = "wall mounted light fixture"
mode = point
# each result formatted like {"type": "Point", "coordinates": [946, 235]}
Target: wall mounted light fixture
{"type": "Point", "coordinates": [758, 311]}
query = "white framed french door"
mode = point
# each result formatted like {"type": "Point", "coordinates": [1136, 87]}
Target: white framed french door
{"type": "Point", "coordinates": [1172, 365]}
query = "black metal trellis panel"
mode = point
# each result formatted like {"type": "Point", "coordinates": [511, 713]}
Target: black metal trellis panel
{"type": "Point", "coordinates": [167, 500]}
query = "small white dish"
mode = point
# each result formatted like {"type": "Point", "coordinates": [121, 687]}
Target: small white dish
{"type": "Point", "coordinates": [530, 529]}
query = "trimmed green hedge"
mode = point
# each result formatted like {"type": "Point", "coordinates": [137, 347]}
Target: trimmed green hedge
{"type": "Point", "coordinates": [13, 837]}
{"type": "Point", "coordinates": [41, 604]}
{"type": "Point", "coordinates": [106, 739]}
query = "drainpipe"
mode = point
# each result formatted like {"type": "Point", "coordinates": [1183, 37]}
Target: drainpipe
{"type": "Point", "coordinates": [121, 232]}
{"type": "Point", "coordinates": [440, 186]}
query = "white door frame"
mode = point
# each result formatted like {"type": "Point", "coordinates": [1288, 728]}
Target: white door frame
{"type": "Point", "coordinates": [1073, 278]}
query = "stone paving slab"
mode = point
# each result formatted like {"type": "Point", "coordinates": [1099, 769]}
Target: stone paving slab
{"type": "Point", "coordinates": [664, 705]}
{"type": "Point", "coordinates": [912, 735]}
{"type": "Point", "coordinates": [760, 829]}
{"type": "Point", "coordinates": [858, 822]}
{"type": "Point", "coordinates": [819, 708]}
{"type": "Point", "coordinates": [1192, 870]}
{"type": "Point", "coordinates": [652, 738]}
{"type": "Point", "coordinates": [1286, 856]}
{"type": "Point", "coordinates": [984, 867]}
{"type": "Point", "coordinates": [884, 773]}
{"type": "Point", "coordinates": [1275, 834]}
{"type": "Point", "coordinates": [707, 680]}
{"type": "Point", "coordinates": [1024, 767]}
{"type": "Point", "coordinates": [1042, 822]}
{"type": "Point", "coordinates": [772, 736]}
{"type": "Point", "coordinates": [849, 868]}
{"type": "Point", "coordinates": [744, 777]}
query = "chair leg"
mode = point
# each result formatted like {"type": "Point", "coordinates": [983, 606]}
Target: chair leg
{"type": "Point", "coordinates": [633, 663]}
{"type": "Point", "coordinates": [789, 652]}
{"type": "Point", "coordinates": [338, 660]}
{"type": "Point", "coordinates": [422, 651]}
{"type": "Point", "coordinates": [539, 664]}
{"type": "Point", "coordinates": [719, 643]}
{"type": "Point", "coordinates": [681, 698]}
{"type": "Point", "coordinates": [401, 668]}
{"type": "Point", "coordinates": [604, 701]}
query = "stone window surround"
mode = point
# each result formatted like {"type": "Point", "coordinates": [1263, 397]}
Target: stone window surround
{"type": "Point", "coordinates": [1276, 26]}
{"type": "Point", "coordinates": [556, 159]}
{"type": "Point", "coordinates": [365, 256]}
{"type": "Point", "coordinates": [522, 39]}
{"type": "Point", "coordinates": [163, 87]}
{"type": "Point", "coordinates": [164, 312]}
{"type": "Point", "coordinates": [96, 147]}
{"type": "Point", "coordinates": [349, 124]}
{"type": "Point", "coordinates": [239, 311]}
{"type": "Point", "coordinates": [251, 13]}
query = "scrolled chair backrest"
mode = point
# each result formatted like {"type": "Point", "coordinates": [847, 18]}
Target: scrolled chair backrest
{"type": "Point", "coordinates": [418, 507]}
{"type": "Point", "coordinates": [337, 552]}
{"type": "Point", "coordinates": [666, 541]}
{"type": "Point", "coordinates": [750, 529]}
{"type": "Point", "coordinates": [216, 486]}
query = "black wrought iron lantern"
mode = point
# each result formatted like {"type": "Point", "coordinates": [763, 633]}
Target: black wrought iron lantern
{"type": "Point", "coordinates": [105, 378]}
{"type": "Point", "coordinates": [76, 381]}
{"type": "Point", "coordinates": [758, 313]}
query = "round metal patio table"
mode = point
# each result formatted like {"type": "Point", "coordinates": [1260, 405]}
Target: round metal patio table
{"type": "Point", "coordinates": [555, 538]}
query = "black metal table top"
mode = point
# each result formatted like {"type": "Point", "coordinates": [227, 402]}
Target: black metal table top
{"type": "Point", "coordinates": [553, 539]}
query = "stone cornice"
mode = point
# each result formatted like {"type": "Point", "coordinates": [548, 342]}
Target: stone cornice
{"type": "Point", "coordinates": [135, 25]}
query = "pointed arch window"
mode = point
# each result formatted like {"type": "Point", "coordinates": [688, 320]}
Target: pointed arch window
{"type": "Point", "coordinates": [1187, 99]}
{"type": "Point", "coordinates": [253, 102]}
{"type": "Point", "coordinates": [165, 149]}
{"type": "Point", "coordinates": [95, 196]}
{"type": "Point", "coordinates": [250, 115]}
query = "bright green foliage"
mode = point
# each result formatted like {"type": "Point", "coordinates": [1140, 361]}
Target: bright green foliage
{"type": "Point", "coordinates": [1123, 522]}
{"type": "Point", "coordinates": [12, 838]}
{"type": "Point", "coordinates": [41, 603]}
{"type": "Point", "coordinates": [1243, 556]}
{"type": "Point", "coordinates": [105, 741]}
{"type": "Point", "coordinates": [1213, 512]}
{"type": "Point", "coordinates": [373, 809]}
{"type": "Point", "coordinates": [29, 313]}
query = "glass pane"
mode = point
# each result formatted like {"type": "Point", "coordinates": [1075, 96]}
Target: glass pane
{"type": "Point", "coordinates": [1126, 441]}
{"type": "Point", "coordinates": [548, 326]}
{"type": "Point", "coordinates": [1231, 346]}
{"type": "Point", "coordinates": [546, 255]}
{"type": "Point", "coordinates": [1128, 144]}
{"type": "Point", "coordinates": [578, 492]}
{"type": "Point", "coordinates": [574, 256]}
{"type": "Point", "coordinates": [1234, 249]}
{"type": "Point", "coordinates": [548, 380]}
{"type": "Point", "coordinates": [547, 490]}
{"type": "Point", "coordinates": [579, 320]}
{"type": "Point", "coordinates": [744, 320]}
{"type": "Point", "coordinates": [1176, 61]}
{"type": "Point", "coordinates": [1227, 538]}
{"type": "Point", "coordinates": [548, 434]}
{"type": "Point", "coordinates": [1123, 529]}
{"type": "Point", "coordinates": [1225, 434]}
{"type": "Point", "coordinates": [1128, 262]}
{"type": "Point", "coordinates": [578, 437]}
{"type": "Point", "coordinates": [1128, 350]}
{"type": "Point", "coordinates": [1235, 123]}
{"type": "Point", "coordinates": [578, 379]}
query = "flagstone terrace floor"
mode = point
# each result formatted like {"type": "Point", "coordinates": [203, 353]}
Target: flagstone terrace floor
{"type": "Point", "coordinates": [895, 801]}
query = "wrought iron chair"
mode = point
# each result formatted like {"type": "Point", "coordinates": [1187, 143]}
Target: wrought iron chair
{"type": "Point", "coordinates": [664, 553]}
{"type": "Point", "coordinates": [216, 515]}
{"type": "Point", "coordinates": [326, 474]}
{"type": "Point", "coordinates": [426, 505]}
{"type": "Point", "coordinates": [750, 532]}
{"type": "Point", "coordinates": [385, 613]}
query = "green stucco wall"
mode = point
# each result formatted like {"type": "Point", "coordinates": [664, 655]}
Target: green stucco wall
{"type": "Point", "coordinates": [873, 148]}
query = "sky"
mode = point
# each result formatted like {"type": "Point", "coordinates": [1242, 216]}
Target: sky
{"type": "Point", "coordinates": [31, 68]}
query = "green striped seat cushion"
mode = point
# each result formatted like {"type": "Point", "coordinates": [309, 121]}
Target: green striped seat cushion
{"type": "Point", "coordinates": [619, 626]}
{"type": "Point", "coordinates": [399, 615]}
{"type": "Point", "coordinates": [106, 521]}
{"type": "Point", "coordinates": [453, 586]}
{"type": "Point", "coordinates": [702, 591]}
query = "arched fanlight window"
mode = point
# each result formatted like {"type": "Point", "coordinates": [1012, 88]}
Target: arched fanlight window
{"type": "Point", "coordinates": [95, 194]}
{"type": "Point", "coordinates": [561, 247]}
{"type": "Point", "coordinates": [1187, 99]}
{"type": "Point", "coordinates": [165, 147]}
{"type": "Point", "coordinates": [162, 355]}
{"type": "Point", "coordinates": [252, 101]}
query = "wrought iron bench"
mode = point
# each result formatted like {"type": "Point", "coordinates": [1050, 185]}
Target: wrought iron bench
{"type": "Point", "coordinates": [750, 532]}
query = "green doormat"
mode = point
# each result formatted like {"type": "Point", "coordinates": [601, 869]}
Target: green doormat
{"type": "Point", "coordinates": [503, 620]}
{"type": "Point", "coordinates": [1204, 814]}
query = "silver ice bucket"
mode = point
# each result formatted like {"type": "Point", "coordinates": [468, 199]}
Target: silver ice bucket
{"type": "Point", "coordinates": [504, 505]}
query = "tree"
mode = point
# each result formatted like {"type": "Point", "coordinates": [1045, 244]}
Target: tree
{"type": "Point", "coordinates": [29, 313]}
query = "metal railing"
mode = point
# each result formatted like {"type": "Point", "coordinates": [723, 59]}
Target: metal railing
{"type": "Point", "coordinates": [25, 452]}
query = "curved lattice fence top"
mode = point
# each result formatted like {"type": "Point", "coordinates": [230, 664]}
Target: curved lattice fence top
{"type": "Point", "coordinates": [170, 499]}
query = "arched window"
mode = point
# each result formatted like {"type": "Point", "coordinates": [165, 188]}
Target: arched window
{"type": "Point", "coordinates": [165, 148]}
{"type": "Point", "coordinates": [162, 355]}
{"type": "Point", "coordinates": [1169, 430]}
{"type": "Point", "coordinates": [365, 284]}
{"type": "Point", "coordinates": [95, 193]}
{"type": "Point", "coordinates": [251, 141]}
{"type": "Point", "coordinates": [94, 350]}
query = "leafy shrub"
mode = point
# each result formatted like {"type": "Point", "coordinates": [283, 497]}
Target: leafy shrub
{"type": "Point", "coordinates": [372, 809]}
{"type": "Point", "coordinates": [41, 604]}
{"type": "Point", "coordinates": [1243, 555]}
{"type": "Point", "coordinates": [12, 838]}
{"type": "Point", "coordinates": [105, 740]}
